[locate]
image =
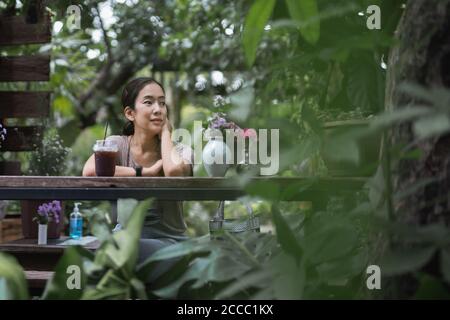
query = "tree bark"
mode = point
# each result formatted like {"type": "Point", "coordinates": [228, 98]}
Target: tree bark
{"type": "Point", "coordinates": [422, 57]}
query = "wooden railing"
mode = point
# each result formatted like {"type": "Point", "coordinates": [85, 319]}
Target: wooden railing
{"type": "Point", "coordinates": [166, 188]}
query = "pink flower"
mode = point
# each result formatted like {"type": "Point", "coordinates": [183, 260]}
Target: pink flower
{"type": "Point", "coordinates": [249, 132]}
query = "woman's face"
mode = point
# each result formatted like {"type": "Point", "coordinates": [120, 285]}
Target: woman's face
{"type": "Point", "coordinates": [150, 110]}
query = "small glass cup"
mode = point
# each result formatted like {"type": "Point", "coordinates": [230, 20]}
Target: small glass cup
{"type": "Point", "coordinates": [105, 157]}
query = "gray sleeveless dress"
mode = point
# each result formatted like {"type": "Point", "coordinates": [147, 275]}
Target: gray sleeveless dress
{"type": "Point", "coordinates": [164, 223]}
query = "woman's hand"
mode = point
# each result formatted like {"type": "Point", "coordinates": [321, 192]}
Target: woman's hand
{"type": "Point", "coordinates": [166, 128]}
{"type": "Point", "coordinates": [154, 170]}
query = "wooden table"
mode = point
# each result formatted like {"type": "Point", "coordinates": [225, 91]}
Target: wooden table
{"type": "Point", "coordinates": [165, 188]}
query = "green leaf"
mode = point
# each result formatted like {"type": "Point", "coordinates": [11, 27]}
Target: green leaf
{"type": "Point", "coordinates": [105, 294]}
{"type": "Point", "coordinates": [256, 279]}
{"type": "Point", "coordinates": [343, 269]}
{"type": "Point", "coordinates": [341, 146]}
{"type": "Point", "coordinates": [285, 235]}
{"type": "Point", "coordinates": [13, 285]}
{"type": "Point", "coordinates": [218, 266]}
{"type": "Point", "coordinates": [307, 14]}
{"type": "Point", "coordinates": [289, 277]}
{"type": "Point", "coordinates": [122, 253]}
{"type": "Point", "coordinates": [255, 22]}
{"type": "Point", "coordinates": [402, 115]}
{"type": "Point", "coordinates": [125, 208]}
{"type": "Point", "coordinates": [363, 88]}
{"type": "Point", "coordinates": [57, 287]}
{"type": "Point", "coordinates": [406, 260]}
{"type": "Point", "coordinates": [434, 125]}
{"type": "Point", "coordinates": [330, 243]}
{"type": "Point", "coordinates": [64, 106]}
{"type": "Point", "coordinates": [194, 245]}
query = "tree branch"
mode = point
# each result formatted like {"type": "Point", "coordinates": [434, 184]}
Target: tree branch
{"type": "Point", "coordinates": [105, 35]}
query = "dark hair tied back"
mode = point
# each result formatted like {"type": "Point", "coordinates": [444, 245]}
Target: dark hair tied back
{"type": "Point", "coordinates": [129, 95]}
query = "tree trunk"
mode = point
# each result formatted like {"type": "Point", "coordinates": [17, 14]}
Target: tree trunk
{"type": "Point", "coordinates": [422, 56]}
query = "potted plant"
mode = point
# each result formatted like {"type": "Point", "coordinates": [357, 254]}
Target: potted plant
{"type": "Point", "coordinates": [48, 160]}
{"type": "Point", "coordinates": [46, 213]}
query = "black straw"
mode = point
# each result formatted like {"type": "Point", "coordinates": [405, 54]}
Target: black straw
{"type": "Point", "coordinates": [106, 129]}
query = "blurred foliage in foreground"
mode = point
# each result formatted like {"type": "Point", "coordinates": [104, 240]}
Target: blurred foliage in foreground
{"type": "Point", "coordinates": [300, 63]}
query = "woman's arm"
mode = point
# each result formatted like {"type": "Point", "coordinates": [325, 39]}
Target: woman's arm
{"type": "Point", "coordinates": [172, 163]}
{"type": "Point", "coordinates": [89, 169]}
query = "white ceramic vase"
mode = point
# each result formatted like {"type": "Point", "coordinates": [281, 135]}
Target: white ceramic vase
{"type": "Point", "coordinates": [42, 234]}
{"type": "Point", "coordinates": [214, 157]}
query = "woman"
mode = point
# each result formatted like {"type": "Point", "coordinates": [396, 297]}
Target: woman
{"type": "Point", "coordinates": [146, 149]}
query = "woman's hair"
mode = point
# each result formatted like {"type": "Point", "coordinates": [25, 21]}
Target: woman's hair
{"type": "Point", "coordinates": [129, 95]}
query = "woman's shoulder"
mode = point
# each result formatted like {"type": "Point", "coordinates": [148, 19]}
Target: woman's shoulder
{"type": "Point", "coordinates": [117, 138]}
{"type": "Point", "coordinates": [120, 140]}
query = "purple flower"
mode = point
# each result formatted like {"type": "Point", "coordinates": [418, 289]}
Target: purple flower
{"type": "Point", "coordinates": [48, 211]}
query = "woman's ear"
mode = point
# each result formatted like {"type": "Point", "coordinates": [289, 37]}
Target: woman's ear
{"type": "Point", "coordinates": [129, 113]}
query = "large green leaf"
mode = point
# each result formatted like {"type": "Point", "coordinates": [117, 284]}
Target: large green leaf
{"type": "Point", "coordinates": [191, 247]}
{"type": "Point", "coordinates": [306, 13]}
{"type": "Point", "coordinates": [122, 253]}
{"type": "Point", "coordinates": [125, 208]}
{"type": "Point", "coordinates": [432, 126]}
{"type": "Point", "coordinates": [402, 115]}
{"type": "Point", "coordinates": [13, 285]}
{"type": "Point", "coordinates": [254, 25]}
{"type": "Point", "coordinates": [218, 266]}
{"type": "Point", "coordinates": [329, 243]}
{"type": "Point", "coordinates": [406, 260]}
{"type": "Point", "coordinates": [289, 277]}
{"type": "Point", "coordinates": [285, 235]}
{"type": "Point", "coordinates": [255, 279]}
{"type": "Point", "coordinates": [57, 287]}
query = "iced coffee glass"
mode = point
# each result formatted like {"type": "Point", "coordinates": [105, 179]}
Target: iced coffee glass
{"type": "Point", "coordinates": [105, 158]}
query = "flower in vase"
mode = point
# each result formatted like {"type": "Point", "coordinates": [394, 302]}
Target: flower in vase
{"type": "Point", "coordinates": [48, 212]}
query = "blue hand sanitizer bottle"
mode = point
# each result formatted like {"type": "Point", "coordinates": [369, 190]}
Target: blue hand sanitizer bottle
{"type": "Point", "coordinates": [76, 223]}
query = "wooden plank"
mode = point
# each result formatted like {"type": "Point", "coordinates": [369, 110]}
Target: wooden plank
{"type": "Point", "coordinates": [167, 182]}
{"type": "Point", "coordinates": [22, 139]}
{"type": "Point", "coordinates": [24, 104]}
{"type": "Point", "coordinates": [25, 68]}
{"type": "Point", "coordinates": [15, 30]}
{"type": "Point", "coordinates": [52, 246]}
{"type": "Point", "coordinates": [38, 279]}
